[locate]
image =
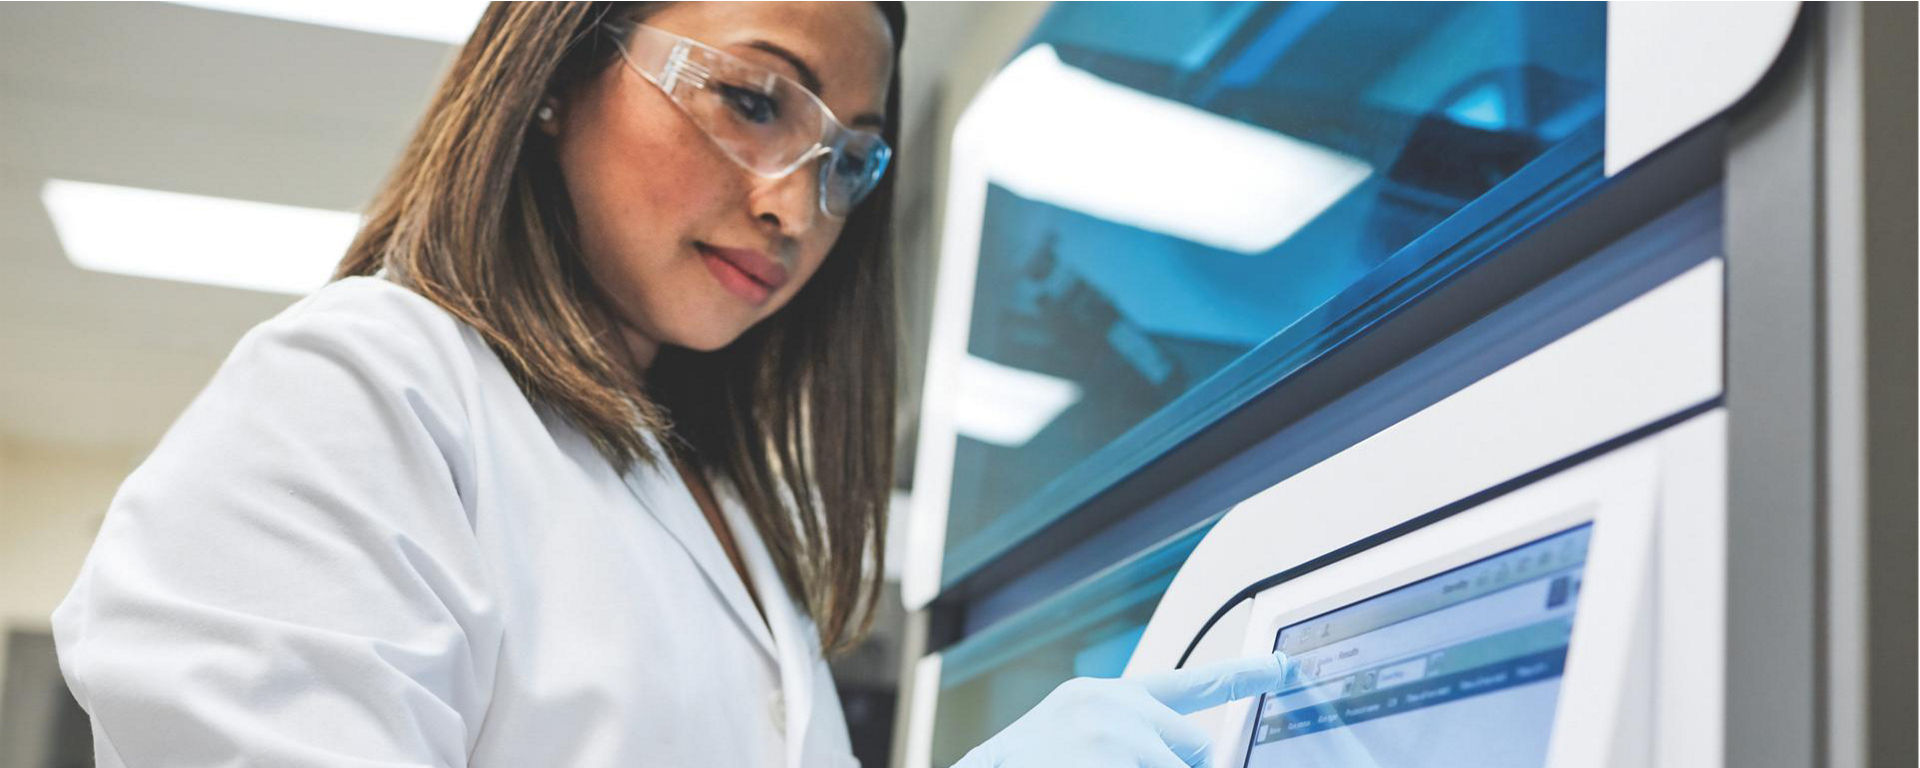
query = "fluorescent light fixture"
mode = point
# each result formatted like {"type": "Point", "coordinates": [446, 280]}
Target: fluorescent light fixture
{"type": "Point", "coordinates": [197, 239]}
{"type": "Point", "coordinates": [1053, 133]}
{"type": "Point", "coordinates": [445, 21]}
{"type": "Point", "coordinates": [1007, 406]}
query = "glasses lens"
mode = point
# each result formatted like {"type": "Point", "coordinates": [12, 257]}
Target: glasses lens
{"type": "Point", "coordinates": [763, 120]}
{"type": "Point", "coordinates": [852, 170]}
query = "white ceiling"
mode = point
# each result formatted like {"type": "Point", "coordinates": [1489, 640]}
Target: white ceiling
{"type": "Point", "coordinates": [191, 100]}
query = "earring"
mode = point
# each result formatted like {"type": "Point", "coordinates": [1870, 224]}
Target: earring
{"type": "Point", "coordinates": [545, 114]}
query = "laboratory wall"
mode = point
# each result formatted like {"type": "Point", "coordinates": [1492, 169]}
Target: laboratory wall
{"type": "Point", "coordinates": [51, 502]}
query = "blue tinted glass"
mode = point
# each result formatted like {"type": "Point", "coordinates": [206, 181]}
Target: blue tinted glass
{"type": "Point", "coordinates": [1089, 630]}
{"type": "Point", "coordinates": [1231, 190]}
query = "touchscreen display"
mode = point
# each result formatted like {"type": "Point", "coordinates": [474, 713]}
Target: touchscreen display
{"type": "Point", "coordinates": [1460, 669]}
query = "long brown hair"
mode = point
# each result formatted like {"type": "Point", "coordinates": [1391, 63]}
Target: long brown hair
{"type": "Point", "coordinates": [796, 415]}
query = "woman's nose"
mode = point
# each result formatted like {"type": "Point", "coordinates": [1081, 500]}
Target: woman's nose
{"type": "Point", "coordinates": [788, 203]}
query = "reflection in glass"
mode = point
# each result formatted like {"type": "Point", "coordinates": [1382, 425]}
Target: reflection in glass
{"type": "Point", "coordinates": [1178, 195]}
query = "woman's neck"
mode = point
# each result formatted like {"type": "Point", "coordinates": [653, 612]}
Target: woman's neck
{"type": "Point", "coordinates": [640, 348]}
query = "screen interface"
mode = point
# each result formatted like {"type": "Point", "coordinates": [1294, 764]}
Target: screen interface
{"type": "Point", "coordinates": [1460, 669]}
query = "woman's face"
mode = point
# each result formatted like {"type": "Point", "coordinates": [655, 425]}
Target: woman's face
{"type": "Point", "coordinates": [690, 248]}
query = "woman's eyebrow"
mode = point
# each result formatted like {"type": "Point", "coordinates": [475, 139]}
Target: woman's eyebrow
{"type": "Point", "coordinates": [807, 77]}
{"type": "Point", "coordinates": [811, 80]}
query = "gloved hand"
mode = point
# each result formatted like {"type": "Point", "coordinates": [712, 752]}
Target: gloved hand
{"type": "Point", "coordinates": [1126, 722]}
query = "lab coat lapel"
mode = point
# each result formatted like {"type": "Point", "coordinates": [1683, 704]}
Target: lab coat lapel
{"type": "Point", "coordinates": [666, 497]}
{"type": "Point", "coordinates": [792, 632]}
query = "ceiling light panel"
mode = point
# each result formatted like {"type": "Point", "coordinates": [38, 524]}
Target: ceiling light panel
{"type": "Point", "coordinates": [445, 21]}
{"type": "Point", "coordinates": [197, 239]}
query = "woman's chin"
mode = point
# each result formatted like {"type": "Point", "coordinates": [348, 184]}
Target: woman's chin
{"type": "Point", "coordinates": [713, 338]}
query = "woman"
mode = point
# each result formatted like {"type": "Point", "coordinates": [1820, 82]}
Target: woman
{"type": "Point", "coordinates": [584, 461]}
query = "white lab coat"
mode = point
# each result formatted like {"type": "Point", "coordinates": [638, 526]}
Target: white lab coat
{"type": "Point", "coordinates": [362, 546]}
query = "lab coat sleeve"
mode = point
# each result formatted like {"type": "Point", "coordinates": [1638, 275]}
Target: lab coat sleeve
{"type": "Point", "coordinates": [292, 578]}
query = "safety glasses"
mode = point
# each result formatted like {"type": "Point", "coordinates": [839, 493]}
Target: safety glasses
{"type": "Point", "coordinates": [769, 124]}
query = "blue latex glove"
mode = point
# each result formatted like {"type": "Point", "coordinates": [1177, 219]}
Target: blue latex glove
{"type": "Point", "coordinates": [1126, 722]}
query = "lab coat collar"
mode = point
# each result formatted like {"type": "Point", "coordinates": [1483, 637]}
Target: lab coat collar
{"type": "Point", "coordinates": [664, 494]}
{"type": "Point", "coordinates": [793, 632]}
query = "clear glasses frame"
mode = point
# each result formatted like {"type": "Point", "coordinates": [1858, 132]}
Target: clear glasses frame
{"type": "Point", "coordinates": [762, 120]}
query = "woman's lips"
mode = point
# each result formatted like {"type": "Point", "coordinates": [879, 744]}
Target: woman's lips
{"type": "Point", "coordinates": [749, 274]}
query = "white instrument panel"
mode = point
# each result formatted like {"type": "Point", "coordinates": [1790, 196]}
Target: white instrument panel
{"type": "Point", "coordinates": [1656, 356]}
{"type": "Point", "coordinates": [1613, 498]}
{"type": "Point", "coordinates": [1650, 680]}
{"type": "Point", "coordinates": [1673, 66]}
{"type": "Point", "coordinates": [1644, 667]}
